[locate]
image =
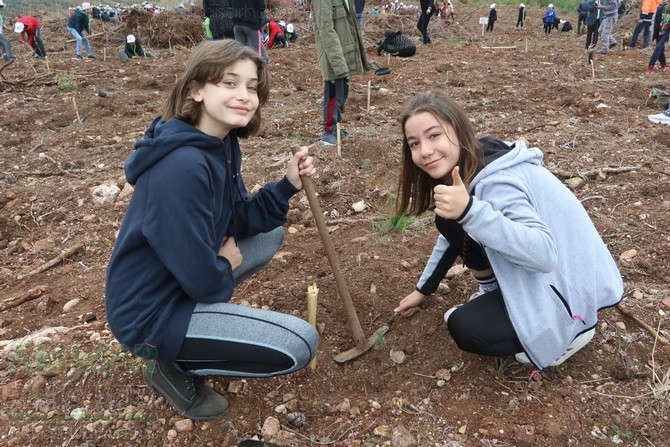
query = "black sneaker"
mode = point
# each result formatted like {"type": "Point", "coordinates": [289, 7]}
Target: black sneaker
{"type": "Point", "coordinates": [613, 44]}
{"type": "Point", "coordinates": [80, 57]}
{"type": "Point", "coordinates": [185, 391]}
{"type": "Point", "coordinates": [343, 133]}
{"type": "Point", "coordinates": [91, 57]}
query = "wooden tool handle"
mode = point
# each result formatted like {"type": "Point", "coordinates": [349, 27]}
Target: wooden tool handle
{"type": "Point", "coordinates": [355, 324]}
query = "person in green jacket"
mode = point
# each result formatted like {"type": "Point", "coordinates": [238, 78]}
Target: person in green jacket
{"type": "Point", "coordinates": [340, 51]}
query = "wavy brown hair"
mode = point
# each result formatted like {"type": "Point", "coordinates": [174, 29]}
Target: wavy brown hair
{"type": "Point", "coordinates": [415, 187]}
{"type": "Point", "coordinates": [208, 63]}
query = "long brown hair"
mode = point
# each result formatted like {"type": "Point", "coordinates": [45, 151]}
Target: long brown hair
{"type": "Point", "coordinates": [208, 63]}
{"type": "Point", "coordinates": [415, 187]}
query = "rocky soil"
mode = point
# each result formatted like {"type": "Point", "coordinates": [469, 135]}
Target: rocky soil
{"type": "Point", "coordinates": [65, 381]}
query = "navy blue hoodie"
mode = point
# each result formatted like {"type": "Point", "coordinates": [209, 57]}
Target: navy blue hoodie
{"type": "Point", "coordinates": [188, 196]}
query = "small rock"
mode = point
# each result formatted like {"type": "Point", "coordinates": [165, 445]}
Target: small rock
{"type": "Point", "coordinates": [12, 390]}
{"type": "Point", "coordinates": [70, 305]}
{"type": "Point", "coordinates": [397, 356]}
{"type": "Point", "coordinates": [127, 191]}
{"type": "Point", "coordinates": [44, 245]}
{"type": "Point", "coordinates": [385, 431]}
{"type": "Point", "coordinates": [271, 427]}
{"type": "Point", "coordinates": [401, 437]}
{"type": "Point", "coordinates": [237, 386]}
{"type": "Point", "coordinates": [296, 419]}
{"type": "Point", "coordinates": [344, 406]}
{"type": "Point", "coordinates": [359, 206]}
{"type": "Point", "coordinates": [183, 425]}
{"type": "Point", "coordinates": [574, 182]}
{"type": "Point", "coordinates": [106, 193]}
{"type": "Point", "coordinates": [443, 374]}
{"type": "Point", "coordinates": [628, 255]}
{"type": "Point", "coordinates": [78, 413]}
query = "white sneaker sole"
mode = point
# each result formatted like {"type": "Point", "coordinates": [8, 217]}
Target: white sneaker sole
{"type": "Point", "coordinates": [659, 120]}
{"type": "Point", "coordinates": [578, 343]}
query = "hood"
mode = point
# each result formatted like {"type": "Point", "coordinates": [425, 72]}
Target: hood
{"type": "Point", "coordinates": [160, 139]}
{"type": "Point", "coordinates": [500, 155]}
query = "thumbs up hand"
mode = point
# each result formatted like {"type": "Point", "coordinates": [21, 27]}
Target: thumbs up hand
{"type": "Point", "coordinates": [451, 201]}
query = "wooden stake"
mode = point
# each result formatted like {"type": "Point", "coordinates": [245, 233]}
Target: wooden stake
{"type": "Point", "coordinates": [104, 54]}
{"type": "Point", "coordinates": [369, 88]}
{"type": "Point", "coordinates": [339, 141]}
{"type": "Point", "coordinates": [312, 295]}
{"type": "Point", "coordinates": [388, 59]}
{"type": "Point", "coordinates": [593, 70]}
{"type": "Point", "coordinates": [76, 109]}
{"type": "Point", "coordinates": [526, 45]}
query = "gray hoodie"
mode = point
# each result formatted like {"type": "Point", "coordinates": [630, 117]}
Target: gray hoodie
{"type": "Point", "coordinates": [554, 270]}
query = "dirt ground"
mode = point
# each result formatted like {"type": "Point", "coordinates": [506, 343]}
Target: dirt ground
{"type": "Point", "coordinates": [69, 383]}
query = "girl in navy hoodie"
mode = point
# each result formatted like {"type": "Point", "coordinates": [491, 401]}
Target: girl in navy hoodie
{"type": "Point", "coordinates": [192, 233]}
{"type": "Point", "coordinates": [515, 226]}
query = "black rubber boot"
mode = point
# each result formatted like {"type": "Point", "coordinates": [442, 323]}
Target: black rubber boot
{"type": "Point", "coordinates": [185, 391]}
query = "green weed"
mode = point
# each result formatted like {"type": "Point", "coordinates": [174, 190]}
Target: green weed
{"type": "Point", "coordinates": [65, 82]}
{"type": "Point", "coordinates": [501, 365]}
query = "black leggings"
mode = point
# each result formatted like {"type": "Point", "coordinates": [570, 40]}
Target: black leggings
{"type": "Point", "coordinates": [481, 326]}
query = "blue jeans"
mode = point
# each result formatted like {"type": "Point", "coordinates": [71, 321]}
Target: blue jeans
{"type": "Point", "coordinates": [5, 48]}
{"type": "Point", "coordinates": [646, 35]}
{"type": "Point", "coordinates": [80, 38]}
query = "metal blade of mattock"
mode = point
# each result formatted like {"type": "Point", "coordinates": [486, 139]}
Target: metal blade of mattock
{"type": "Point", "coordinates": [362, 344]}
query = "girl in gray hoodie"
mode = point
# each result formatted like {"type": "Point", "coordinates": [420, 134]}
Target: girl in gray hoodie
{"type": "Point", "coordinates": [516, 226]}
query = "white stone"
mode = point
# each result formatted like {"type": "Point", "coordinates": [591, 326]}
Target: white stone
{"type": "Point", "coordinates": [105, 194]}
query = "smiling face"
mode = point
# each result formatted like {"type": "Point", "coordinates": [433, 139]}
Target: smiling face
{"type": "Point", "coordinates": [230, 103]}
{"type": "Point", "coordinates": [433, 144]}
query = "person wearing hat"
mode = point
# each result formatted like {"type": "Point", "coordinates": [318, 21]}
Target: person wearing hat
{"type": "Point", "coordinates": [133, 48]}
{"type": "Point", "coordinates": [522, 16]}
{"type": "Point", "coordinates": [291, 35]}
{"type": "Point", "coordinates": [29, 29]}
{"type": "Point", "coordinates": [276, 34]}
{"type": "Point", "coordinates": [5, 46]}
{"type": "Point", "coordinates": [76, 25]}
{"type": "Point", "coordinates": [493, 16]}
{"type": "Point", "coordinates": [549, 17]}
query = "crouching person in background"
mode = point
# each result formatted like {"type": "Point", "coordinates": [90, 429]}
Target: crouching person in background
{"type": "Point", "coordinates": [397, 44]}
{"type": "Point", "coordinates": [133, 48]}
